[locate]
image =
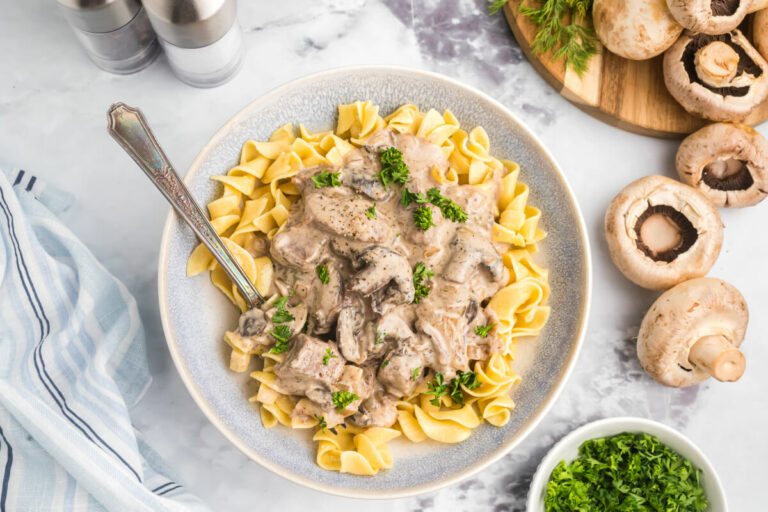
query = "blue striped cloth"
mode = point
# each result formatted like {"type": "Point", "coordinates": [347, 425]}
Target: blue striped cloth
{"type": "Point", "coordinates": [72, 363]}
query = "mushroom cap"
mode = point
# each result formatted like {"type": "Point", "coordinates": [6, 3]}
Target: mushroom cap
{"type": "Point", "coordinates": [760, 32]}
{"type": "Point", "coordinates": [674, 209]}
{"type": "Point", "coordinates": [726, 162]}
{"type": "Point", "coordinates": [635, 29]}
{"type": "Point", "coordinates": [709, 16]}
{"type": "Point", "coordinates": [694, 74]}
{"type": "Point", "coordinates": [682, 316]}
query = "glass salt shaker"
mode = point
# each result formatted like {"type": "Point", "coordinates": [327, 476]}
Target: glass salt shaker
{"type": "Point", "coordinates": [116, 34]}
{"type": "Point", "coordinates": [201, 38]}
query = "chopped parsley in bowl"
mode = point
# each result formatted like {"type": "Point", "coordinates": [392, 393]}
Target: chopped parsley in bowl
{"type": "Point", "coordinates": [625, 465]}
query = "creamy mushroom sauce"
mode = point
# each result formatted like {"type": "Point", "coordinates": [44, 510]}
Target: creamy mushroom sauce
{"type": "Point", "coordinates": [364, 332]}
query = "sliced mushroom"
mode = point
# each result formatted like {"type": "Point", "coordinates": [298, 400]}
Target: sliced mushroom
{"type": "Point", "coordinates": [360, 167]}
{"type": "Point", "coordinates": [726, 162]}
{"type": "Point", "coordinates": [709, 16]}
{"type": "Point", "coordinates": [635, 29]}
{"type": "Point", "coordinates": [385, 272]}
{"type": "Point", "coordinates": [760, 32]}
{"type": "Point", "coordinates": [692, 331]}
{"type": "Point", "coordinates": [354, 335]}
{"type": "Point", "coordinates": [661, 232]}
{"type": "Point", "coordinates": [719, 77]}
{"type": "Point", "coordinates": [469, 250]}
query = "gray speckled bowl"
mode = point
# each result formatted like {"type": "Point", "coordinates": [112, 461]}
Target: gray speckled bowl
{"type": "Point", "coordinates": [195, 314]}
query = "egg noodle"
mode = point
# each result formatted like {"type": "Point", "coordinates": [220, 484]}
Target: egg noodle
{"type": "Point", "coordinates": [256, 201]}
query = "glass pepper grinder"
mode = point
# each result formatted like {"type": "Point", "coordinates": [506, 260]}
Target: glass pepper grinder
{"type": "Point", "coordinates": [116, 34]}
{"type": "Point", "coordinates": [201, 38]}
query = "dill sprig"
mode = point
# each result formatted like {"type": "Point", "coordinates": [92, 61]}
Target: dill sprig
{"type": "Point", "coordinates": [559, 30]}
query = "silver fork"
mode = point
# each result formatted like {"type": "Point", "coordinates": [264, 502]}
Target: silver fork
{"type": "Point", "coordinates": [129, 128]}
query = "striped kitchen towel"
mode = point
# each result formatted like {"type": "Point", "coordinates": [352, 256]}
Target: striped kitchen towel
{"type": "Point", "coordinates": [72, 363]}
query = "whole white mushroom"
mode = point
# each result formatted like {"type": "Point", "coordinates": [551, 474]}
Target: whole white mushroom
{"type": "Point", "coordinates": [635, 29]}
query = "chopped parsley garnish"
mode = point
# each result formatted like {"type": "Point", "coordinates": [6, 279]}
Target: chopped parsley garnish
{"type": "Point", "coordinates": [438, 388]}
{"type": "Point", "coordinates": [371, 212]}
{"type": "Point", "coordinates": [448, 207]}
{"type": "Point", "coordinates": [469, 379]}
{"type": "Point", "coordinates": [328, 356]}
{"type": "Point", "coordinates": [422, 217]}
{"type": "Point", "coordinates": [409, 197]}
{"type": "Point", "coordinates": [341, 399]}
{"type": "Point", "coordinates": [631, 472]}
{"type": "Point", "coordinates": [281, 333]}
{"type": "Point", "coordinates": [385, 363]}
{"type": "Point", "coordinates": [321, 423]}
{"type": "Point", "coordinates": [393, 169]}
{"type": "Point", "coordinates": [420, 274]}
{"type": "Point", "coordinates": [381, 337]}
{"type": "Point", "coordinates": [326, 179]}
{"type": "Point", "coordinates": [482, 330]}
{"type": "Point", "coordinates": [415, 373]}
{"type": "Point", "coordinates": [281, 316]}
{"type": "Point", "coordinates": [322, 274]}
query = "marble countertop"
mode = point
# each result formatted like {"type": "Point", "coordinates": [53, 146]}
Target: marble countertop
{"type": "Point", "coordinates": [52, 122]}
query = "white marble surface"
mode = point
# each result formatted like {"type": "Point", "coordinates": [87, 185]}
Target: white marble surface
{"type": "Point", "coordinates": [52, 119]}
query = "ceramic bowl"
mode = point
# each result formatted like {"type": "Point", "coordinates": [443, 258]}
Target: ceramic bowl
{"type": "Point", "coordinates": [567, 449]}
{"type": "Point", "coordinates": [195, 314]}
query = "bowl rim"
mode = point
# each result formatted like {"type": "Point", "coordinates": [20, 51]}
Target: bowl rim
{"type": "Point", "coordinates": [588, 431]}
{"type": "Point", "coordinates": [211, 415]}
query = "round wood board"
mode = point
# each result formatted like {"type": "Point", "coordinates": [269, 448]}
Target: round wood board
{"type": "Point", "coordinates": [628, 94]}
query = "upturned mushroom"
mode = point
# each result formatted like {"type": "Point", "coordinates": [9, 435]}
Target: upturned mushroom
{"type": "Point", "coordinates": [726, 162]}
{"type": "Point", "coordinates": [709, 16]}
{"type": "Point", "coordinates": [692, 332]}
{"type": "Point", "coordinates": [661, 232]}
{"type": "Point", "coordinates": [719, 77]}
{"type": "Point", "coordinates": [760, 32]}
{"type": "Point", "coordinates": [635, 29]}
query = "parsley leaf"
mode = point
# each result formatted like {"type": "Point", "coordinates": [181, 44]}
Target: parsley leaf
{"type": "Point", "coordinates": [415, 373]}
{"type": "Point", "coordinates": [409, 197]}
{"type": "Point", "coordinates": [448, 207]}
{"type": "Point", "coordinates": [496, 6]}
{"type": "Point", "coordinates": [371, 212]}
{"type": "Point", "coordinates": [381, 337]}
{"type": "Point", "coordinates": [328, 356]}
{"type": "Point", "coordinates": [482, 330]}
{"type": "Point", "coordinates": [322, 273]}
{"type": "Point", "coordinates": [385, 363]}
{"type": "Point", "coordinates": [341, 399]}
{"type": "Point", "coordinates": [321, 422]}
{"type": "Point", "coordinates": [326, 179]}
{"type": "Point", "coordinates": [422, 217]}
{"type": "Point", "coordinates": [420, 274]}
{"type": "Point", "coordinates": [281, 333]}
{"type": "Point", "coordinates": [628, 472]}
{"type": "Point", "coordinates": [438, 388]}
{"type": "Point", "coordinates": [468, 379]}
{"type": "Point", "coordinates": [393, 169]}
{"type": "Point", "coordinates": [281, 316]}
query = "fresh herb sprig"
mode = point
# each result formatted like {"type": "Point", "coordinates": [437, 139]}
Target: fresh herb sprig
{"type": "Point", "coordinates": [371, 212]}
{"type": "Point", "coordinates": [560, 30]}
{"type": "Point", "coordinates": [629, 472]}
{"type": "Point", "coordinates": [415, 373]}
{"type": "Point", "coordinates": [328, 356]}
{"type": "Point", "coordinates": [321, 423]}
{"type": "Point", "coordinates": [448, 207]}
{"type": "Point", "coordinates": [341, 399]}
{"type": "Point", "coordinates": [282, 315]}
{"type": "Point", "coordinates": [393, 169]}
{"type": "Point", "coordinates": [438, 387]}
{"type": "Point", "coordinates": [322, 274]}
{"type": "Point", "coordinates": [483, 330]}
{"type": "Point", "coordinates": [421, 274]}
{"type": "Point", "coordinates": [326, 179]}
{"type": "Point", "coordinates": [409, 197]}
{"type": "Point", "coordinates": [422, 217]}
{"type": "Point", "coordinates": [281, 333]}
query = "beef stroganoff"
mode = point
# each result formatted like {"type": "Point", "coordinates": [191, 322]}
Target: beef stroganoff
{"type": "Point", "coordinates": [397, 255]}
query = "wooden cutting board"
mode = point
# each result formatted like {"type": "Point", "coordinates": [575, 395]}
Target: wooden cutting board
{"type": "Point", "coordinates": [625, 93]}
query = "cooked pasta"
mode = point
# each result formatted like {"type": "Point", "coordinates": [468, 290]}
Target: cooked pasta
{"type": "Point", "coordinates": [256, 200]}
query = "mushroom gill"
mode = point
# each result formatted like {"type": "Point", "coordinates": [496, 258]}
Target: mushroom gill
{"type": "Point", "coordinates": [720, 77]}
{"type": "Point", "coordinates": [724, 7]}
{"type": "Point", "coordinates": [726, 162]}
{"type": "Point", "coordinates": [663, 233]}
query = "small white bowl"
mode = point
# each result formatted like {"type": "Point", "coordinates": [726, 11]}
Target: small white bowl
{"type": "Point", "coordinates": [567, 449]}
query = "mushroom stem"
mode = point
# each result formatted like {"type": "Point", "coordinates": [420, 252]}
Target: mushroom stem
{"type": "Point", "coordinates": [717, 356]}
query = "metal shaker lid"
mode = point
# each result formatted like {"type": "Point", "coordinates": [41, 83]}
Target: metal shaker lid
{"type": "Point", "coordinates": [191, 23]}
{"type": "Point", "coordinates": [99, 15]}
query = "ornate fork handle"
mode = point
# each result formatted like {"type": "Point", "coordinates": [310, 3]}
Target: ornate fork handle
{"type": "Point", "coordinates": [129, 128]}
